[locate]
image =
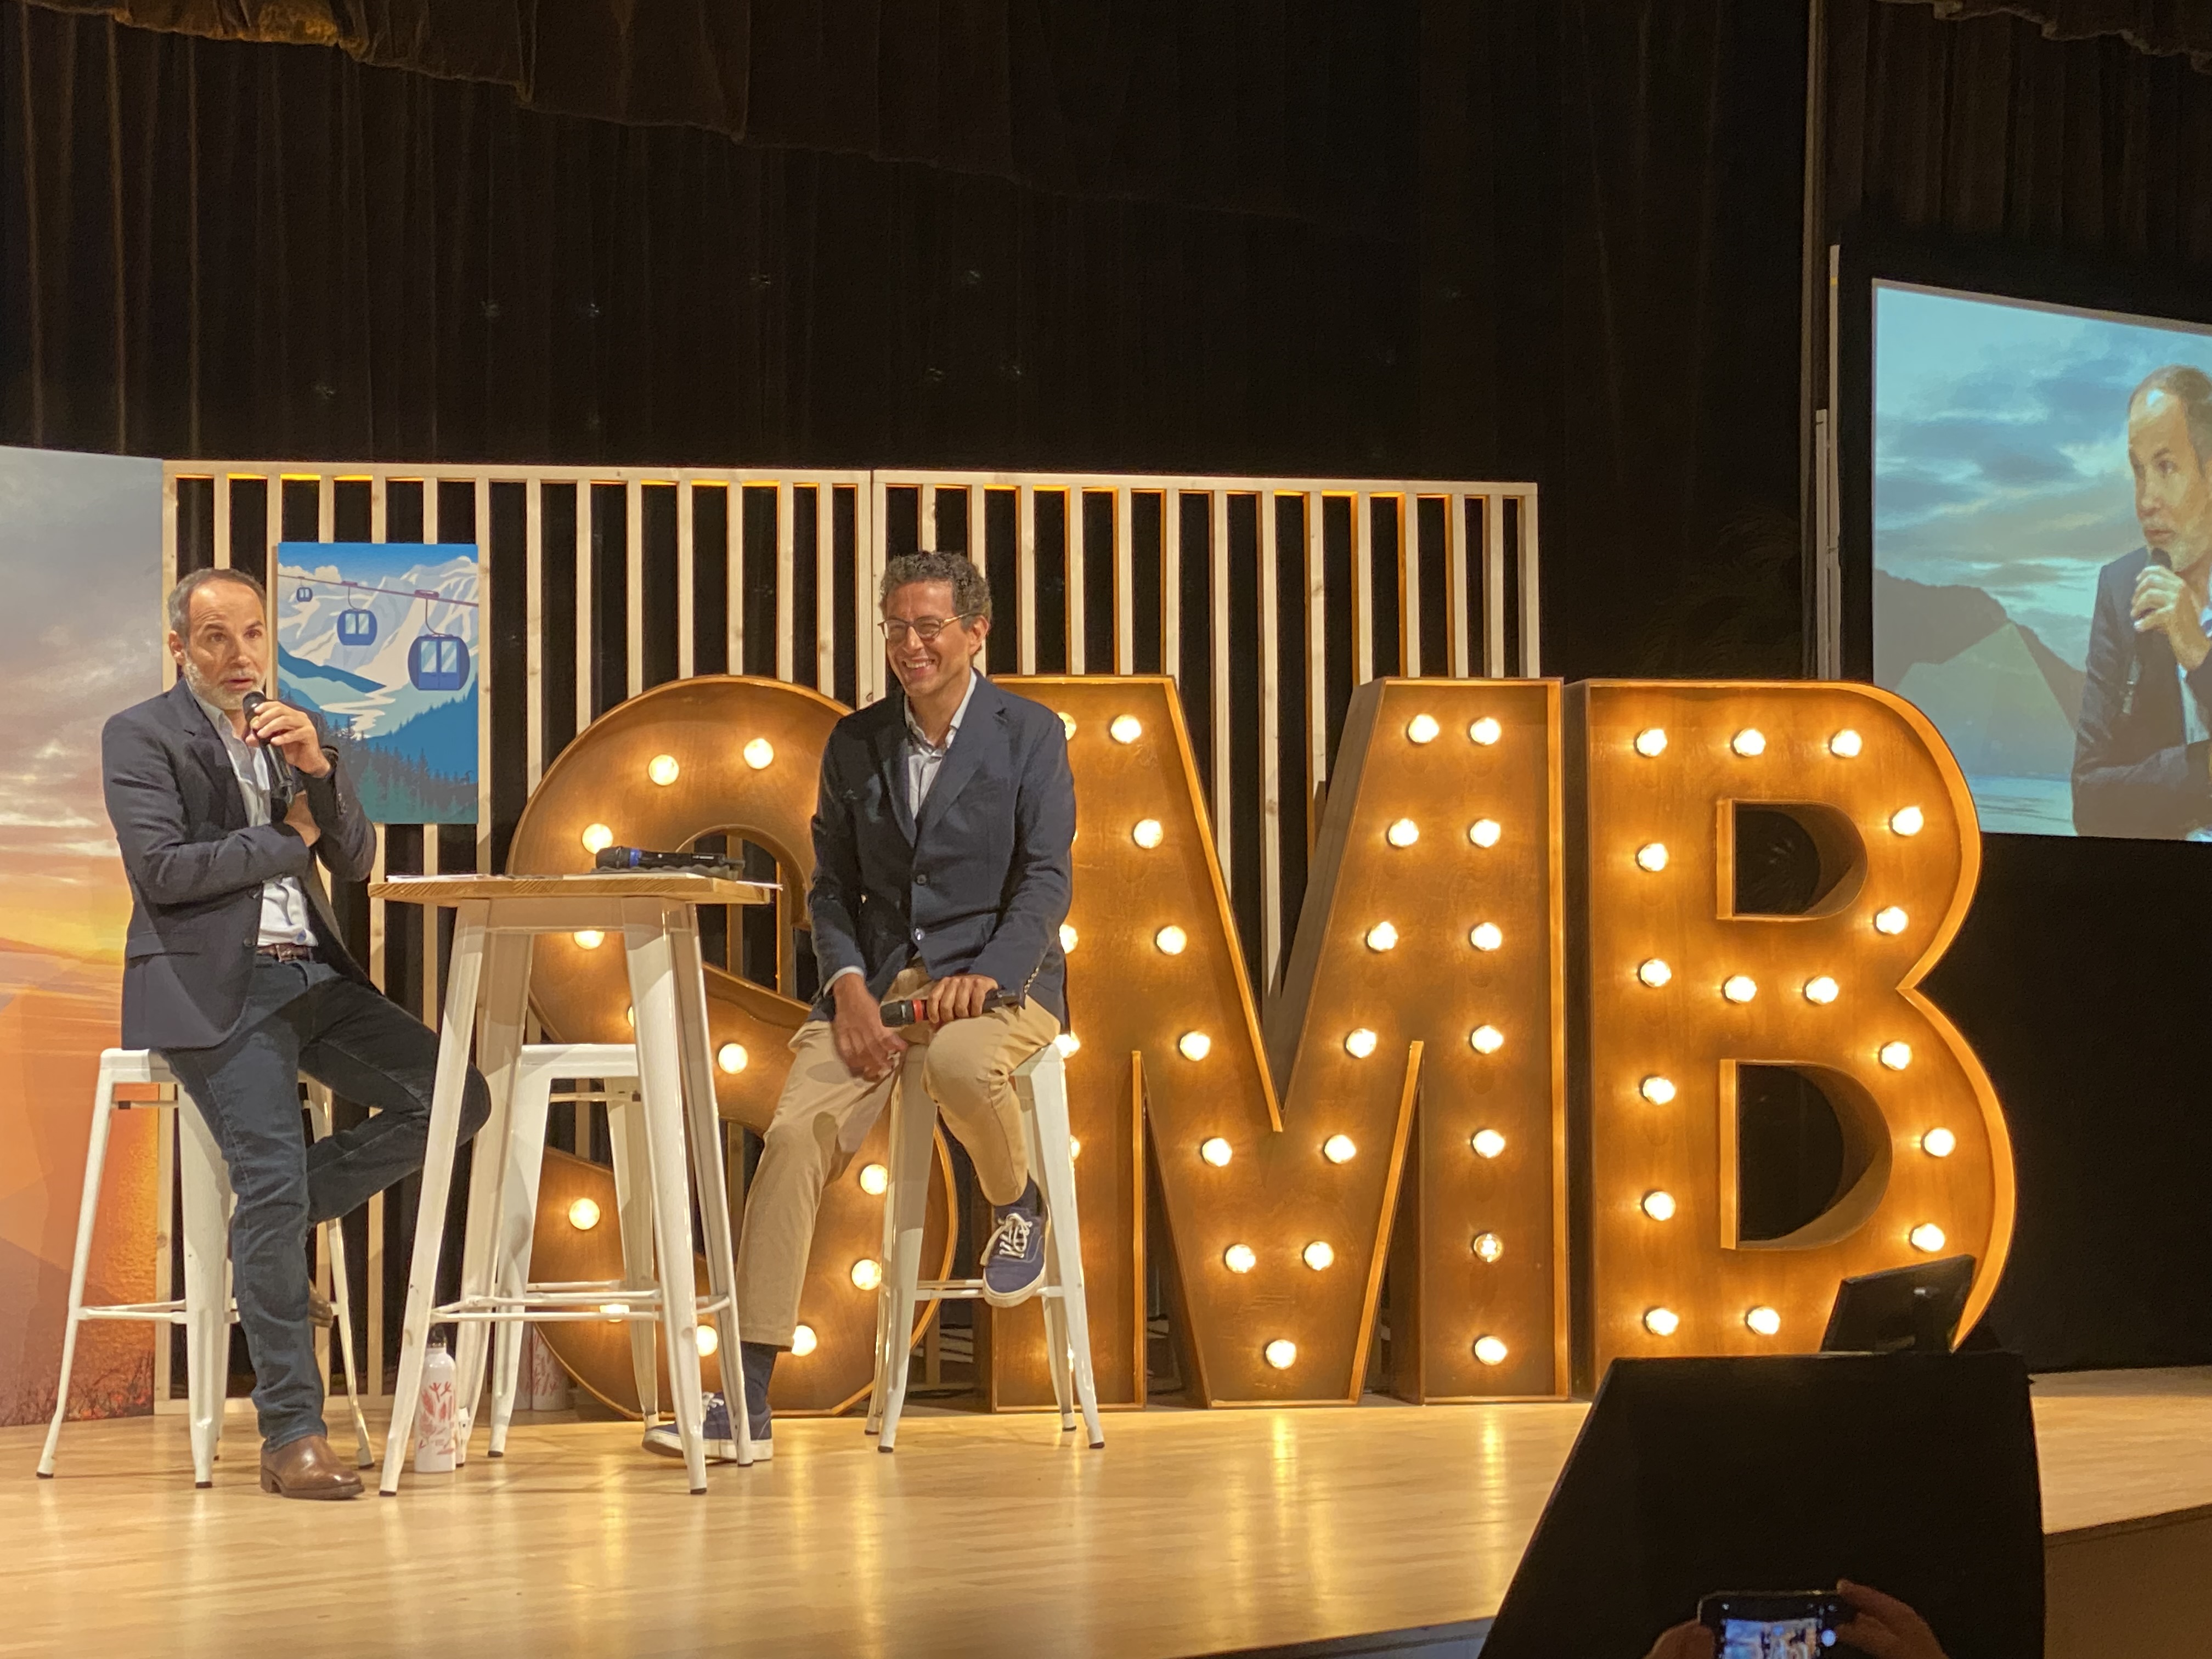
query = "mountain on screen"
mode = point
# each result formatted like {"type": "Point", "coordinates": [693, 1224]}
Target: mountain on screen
{"type": "Point", "coordinates": [2004, 701]}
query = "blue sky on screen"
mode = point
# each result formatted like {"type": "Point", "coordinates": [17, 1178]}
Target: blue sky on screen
{"type": "Point", "coordinates": [2000, 447]}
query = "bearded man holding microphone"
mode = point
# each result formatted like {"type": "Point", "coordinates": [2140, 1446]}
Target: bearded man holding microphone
{"type": "Point", "coordinates": [224, 804]}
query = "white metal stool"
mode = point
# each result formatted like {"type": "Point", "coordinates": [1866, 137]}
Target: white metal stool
{"type": "Point", "coordinates": [615, 1066]}
{"type": "Point", "coordinates": [1041, 1084]}
{"type": "Point", "coordinates": [206, 1309]}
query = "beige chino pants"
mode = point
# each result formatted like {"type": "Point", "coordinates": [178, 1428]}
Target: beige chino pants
{"type": "Point", "coordinates": [825, 1113]}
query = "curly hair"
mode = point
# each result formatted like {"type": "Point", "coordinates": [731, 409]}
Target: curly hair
{"type": "Point", "coordinates": [971, 594]}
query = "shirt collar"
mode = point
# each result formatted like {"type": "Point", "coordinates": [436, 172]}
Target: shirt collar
{"type": "Point", "coordinates": [216, 718]}
{"type": "Point", "coordinates": [959, 714]}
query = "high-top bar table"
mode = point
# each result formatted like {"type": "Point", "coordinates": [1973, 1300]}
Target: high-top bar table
{"type": "Point", "coordinates": [488, 979]}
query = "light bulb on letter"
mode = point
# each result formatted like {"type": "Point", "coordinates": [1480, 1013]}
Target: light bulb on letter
{"type": "Point", "coordinates": [1764, 1320]}
{"type": "Point", "coordinates": [589, 939]}
{"type": "Point", "coordinates": [1486, 936]}
{"type": "Point", "coordinates": [1239, 1259]}
{"type": "Point", "coordinates": [1659, 1207]}
{"type": "Point", "coordinates": [1907, 820]}
{"type": "Point", "coordinates": [1381, 936]}
{"type": "Point", "coordinates": [1489, 1246]}
{"type": "Point", "coordinates": [760, 754]}
{"type": "Point", "coordinates": [1282, 1353]}
{"type": "Point", "coordinates": [1650, 742]}
{"type": "Point", "coordinates": [1338, 1149]}
{"type": "Point", "coordinates": [1749, 743]}
{"type": "Point", "coordinates": [867, 1274]}
{"type": "Point", "coordinates": [1652, 856]}
{"type": "Point", "coordinates": [663, 769]}
{"type": "Point", "coordinates": [1897, 1056]}
{"type": "Point", "coordinates": [875, 1179]}
{"type": "Point", "coordinates": [1215, 1151]}
{"type": "Point", "coordinates": [1490, 1350]}
{"type": "Point", "coordinates": [1889, 920]}
{"type": "Point", "coordinates": [598, 838]}
{"type": "Point", "coordinates": [731, 1057]}
{"type": "Point", "coordinates": [1740, 987]}
{"type": "Point", "coordinates": [1487, 1143]}
{"type": "Point", "coordinates": [710, 1339]}
{"type": "Point", "coordinates": [1484, 832]}
{"type": "Point", "coordinates": [1661, 1321]}
{"type": "Point", "coordinates": [1170, 941]}
{"type": "Point", "coordinates": [1194, 1045]}
{"type": "Point", "coordinates": [584, 1215]}
{"type": "Point", "coordinates": [803, 1341]}
{"type": "Point", "coordinates": [1845, 745]}
{"type": "Point", "coordinates": [1486, 730]}
{"type": "Point", "coordinates": [1928, 1236]}
{"type": "Point", "coordinates": [1067, 1042]}
{"type": "Point", "coordinates": [1148, 834]}
{"type": "Point", "coordinates": [1360, 1044]}
{"type": "Point", "coordinates": [1404, 833]}
{"type": "Point", "coordinates": [1486, 1039]}
{"type": "Point", "coordinates": [1317, 1254]}
{"type": "Point", "coordinates": [1422, 728]}
{"type": "Point", "coordinates": [1654, 973]}
{"type": "Point", "coordinates": [1659, 1090]}
{"type": "Point", "coordinates": [1067, 937]}
{"type": "Point", "coordinates": [1939, 1143]}
{"type": "Point", "coordinates": [1821, 988]}
{"type": "Point", "coordinates": [1126, 728]}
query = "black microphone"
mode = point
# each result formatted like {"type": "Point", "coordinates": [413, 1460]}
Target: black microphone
{"type": "Point", "coordinates": [644, 858]}
{"type": "Point", "coordinates": [284, 783]}
{"type": "Point", "coordinates": [910, 1010]}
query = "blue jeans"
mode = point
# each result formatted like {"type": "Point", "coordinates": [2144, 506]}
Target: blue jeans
{"type": "Point", "coordinates": [305, 1017]}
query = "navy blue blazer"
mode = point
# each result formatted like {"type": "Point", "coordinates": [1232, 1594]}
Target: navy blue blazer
{"type": "Point", "coordinates": [2135, 772]}
{"type": "Point", "coordinates": [979, 884]}
{"type": "Point", "coordinates": [197, 869]}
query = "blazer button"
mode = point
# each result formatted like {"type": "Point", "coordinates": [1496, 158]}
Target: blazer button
{"type": "Point", "coordinates": [920, 879]}
{"type": "Point", "coordinates": [917, 936]}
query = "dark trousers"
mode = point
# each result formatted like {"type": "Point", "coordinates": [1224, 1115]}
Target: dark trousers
{"type": "Point", "coordinates": [303, 1017]}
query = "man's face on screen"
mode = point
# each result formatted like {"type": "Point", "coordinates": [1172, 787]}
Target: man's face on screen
{"type": "Point", "coordinates": [2173, 499]}
{"type": "Point", "coordinates": [927, 666]}
{"type": "Point", "coordinates": [226, 653]}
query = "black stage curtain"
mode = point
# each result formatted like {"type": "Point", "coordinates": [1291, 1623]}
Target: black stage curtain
{"type": "Point", "coordinates": [2080, 975]}
{"type": "Point", "coordinates": [2162, 27]}
{"type": "Point", "coordinates": [1557, 243]}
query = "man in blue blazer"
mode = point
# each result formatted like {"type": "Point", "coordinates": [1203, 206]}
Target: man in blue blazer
{"type": "Point", "coordinates": [234, 971]}
{"type": "Point", "coordinates": [942, 830]}
{"type": "Point", "coordinates": [2143, 752]}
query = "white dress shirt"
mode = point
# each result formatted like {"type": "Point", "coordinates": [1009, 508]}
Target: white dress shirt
{"type": "Point", "coordinates": [285, 913]}
{"type": "Point", "coordinates": [923, 759]}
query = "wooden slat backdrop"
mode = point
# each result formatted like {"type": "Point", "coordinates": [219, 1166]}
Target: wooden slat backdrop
{"type": "Point", "coordinates": [1266, 598]}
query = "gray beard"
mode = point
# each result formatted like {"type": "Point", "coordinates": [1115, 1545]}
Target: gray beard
{"type": "Point", "coordinates": [229, 702]}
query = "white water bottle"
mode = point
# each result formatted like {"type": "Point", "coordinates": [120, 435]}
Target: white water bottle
{"type": "Point", "coordinates": [434, 1418]}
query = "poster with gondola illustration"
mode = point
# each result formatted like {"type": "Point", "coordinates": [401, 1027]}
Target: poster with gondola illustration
{"type": "Point", "coordinates": [380, 640]}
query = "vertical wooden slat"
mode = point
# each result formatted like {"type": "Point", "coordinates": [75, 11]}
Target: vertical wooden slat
{"type": "Point", "coordinates": [326, 509]}
{"type": "Point", "coordinates": [1456, 581]}
{"type": "Point", "coordinates": [869, 555]}
{"type": "Point", "coordinates": [1271, 769]}
{"type": "Point", "coordinates": [687, 604]}
{"type": "Point", "coordinates": [1217, 612]}
{"type": "Point", "coordinates": [1072, 518]}
{"type": "Point", "coordinates": [1494, 555]}
{"type": "Point", "coordinates": [533, 633]}
{"type": "Point", "coordinates": [169, 678]}
{"type": "Point", "coordinates": [1532, 656]}
{"type": "Point", "coordinates": [587, 623]}
{"type": "Point", "coordinates": [1317, 649]}
{"type": "Point", "coordinates": [634, 580]}
{"type": "Point", "coordinates": [379, 491]}
{"type": "Point", "coordinates": [1125, 583]}
{"type": "Point", "coordinates": [486, 690]}
{"type": "Point", "coordinates": [825, 593]}
{"type": "Point", "coordinates": [223, 519]}
{"type": "Point", "coordinates": [273, 533]}
{"type": "Point", "coordinates": [1362, 588]}
{"type": "Point", "coordinates": [783, 569]}
{"type": "Point", "coordinates": [429, 509]}
{"type": "Point", "coordinates": [925, 517]}
{"type": "Point", "coordinates": [1171, 582]}
{"type": "Point", "coordinates": [733, 580]}
{"type": "Point", "coordinates": [1409, 584]}
{"type": "Point", "coordinates": [1025, 618]}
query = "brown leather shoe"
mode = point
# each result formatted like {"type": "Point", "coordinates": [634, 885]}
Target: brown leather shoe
{"type": "Point", "coordinates": [307, 1467]}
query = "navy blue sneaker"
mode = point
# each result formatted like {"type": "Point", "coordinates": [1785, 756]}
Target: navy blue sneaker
{"type": "Point", "coordinates": [1013, 1256]}
{"type": "Point", "coordinates": [721, 1439]}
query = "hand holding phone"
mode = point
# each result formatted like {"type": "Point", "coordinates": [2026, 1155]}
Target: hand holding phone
{"type": "Point", "coordinates": [1774, 1624]}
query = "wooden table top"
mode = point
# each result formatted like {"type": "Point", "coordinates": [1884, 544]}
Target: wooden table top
{"type": "Point", "coordinates": [692, 886]}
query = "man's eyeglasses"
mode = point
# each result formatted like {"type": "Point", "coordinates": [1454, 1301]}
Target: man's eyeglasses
{"type": "Point", "coordinates": [924, 629]}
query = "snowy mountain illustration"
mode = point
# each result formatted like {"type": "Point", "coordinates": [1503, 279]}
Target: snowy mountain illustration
{"type": "Point", "coordinates": [388, 658]}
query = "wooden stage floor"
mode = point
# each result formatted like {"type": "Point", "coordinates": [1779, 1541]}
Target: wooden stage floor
{"type": "Point", "coordinates": [1191, 1532]}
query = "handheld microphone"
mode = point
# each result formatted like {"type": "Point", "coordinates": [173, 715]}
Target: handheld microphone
{"type": "Point", "coordinates": [908, 1010]}
{"type": "Point", "coordinates": [644, 858]}
{"type": "Point", "coordinates": [284, 783]}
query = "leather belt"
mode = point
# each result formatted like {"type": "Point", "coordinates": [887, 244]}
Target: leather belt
{"type": "Point", "coordinates": [284, 952]}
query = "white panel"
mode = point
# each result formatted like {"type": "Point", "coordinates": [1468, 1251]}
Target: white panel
{"type": "Point", "coordinates": [634, 583]}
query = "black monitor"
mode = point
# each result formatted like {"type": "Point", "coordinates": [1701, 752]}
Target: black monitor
{"type": "Point", "coordinates": [1905, 1309]}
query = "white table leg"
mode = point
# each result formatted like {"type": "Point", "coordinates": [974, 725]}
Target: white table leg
{"type": "Point", "coordinates": [651, 953]}
{"type": "Point", "coordinates": [707, 1175]}
{"type": "Point", "coordinates": [463, 981]}
{"type": "Point", "coordinates": [529, 1105]}
{"type": "Point", "coordinates": [506, 1006]}
{"type": "Point", "coordinates": [87, 1218]}
{"type": "Point", "coordinates": [913, 1134]}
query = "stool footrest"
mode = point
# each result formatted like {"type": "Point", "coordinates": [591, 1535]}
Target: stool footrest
{"type": "Point", "coordinates": [967, 1290]}
{"type": "Point", "coordinates": [172, 1311]}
